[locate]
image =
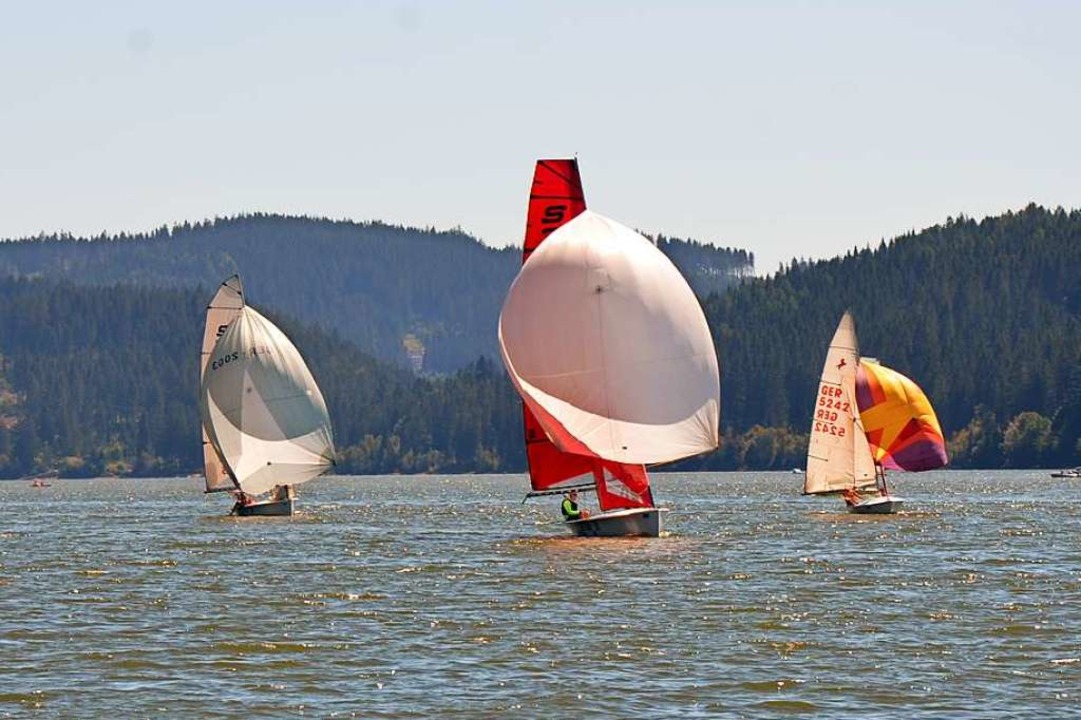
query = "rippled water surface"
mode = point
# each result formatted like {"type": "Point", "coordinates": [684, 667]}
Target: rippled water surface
{"type": "Point", "coordinates": [398, 597]}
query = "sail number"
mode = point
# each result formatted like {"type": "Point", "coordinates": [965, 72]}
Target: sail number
{"type": "Point", "coordinates": [830, 397]}
{"type": "Point", "coordinates": [554, 215]}
{"type": "Point", "coordinates": [829, 428]}
{"type": "Point", "coordinates": [225, 360]}
{"type": "Point", "coordinates": [235, 355]}
{"type": "Point", "coordinates": [830, 406]}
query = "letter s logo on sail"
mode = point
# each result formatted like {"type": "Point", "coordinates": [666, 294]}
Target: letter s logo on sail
{"type": "Point", "coordinates": [554, 214]}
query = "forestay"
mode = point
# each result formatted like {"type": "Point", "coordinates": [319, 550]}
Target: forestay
{"type": "Point", "coordinates": [262, 409]}
{"type": "Point", "coordinates": [609, 348]}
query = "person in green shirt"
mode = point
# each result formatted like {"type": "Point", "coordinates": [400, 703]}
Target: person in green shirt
{"type": "Point", "coordinates": [570, 507]}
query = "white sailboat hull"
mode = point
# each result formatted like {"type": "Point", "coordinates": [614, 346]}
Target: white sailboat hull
{"type": "Point", "coordinates": [633, 522]}
{"type": "Point", "coordinates": [266, 508]}
{"type": "Point", "coordinates": [881, 505]}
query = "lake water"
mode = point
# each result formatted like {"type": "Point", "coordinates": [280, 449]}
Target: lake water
{"type": "Point", "coordinates": [411, 597]}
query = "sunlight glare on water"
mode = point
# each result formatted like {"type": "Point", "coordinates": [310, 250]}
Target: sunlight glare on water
{"type": "Point", "coordinates": [402, 597]}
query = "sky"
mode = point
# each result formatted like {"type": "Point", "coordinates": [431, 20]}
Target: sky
{"type": "Point", "coordinates": [788, 129]}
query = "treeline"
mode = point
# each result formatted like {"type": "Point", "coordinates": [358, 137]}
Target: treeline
{"type": "Point", "coordinates": [984, 316]}
{"type": "Point", "coordinates": [97, 381]}
{"type": "Point", "coordinates": [392, 291]}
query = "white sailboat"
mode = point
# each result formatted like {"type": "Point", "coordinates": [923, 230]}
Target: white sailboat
{"type": "Point", "coordinates": [867, 418]}
{"type": "Point", "coordinates": [838, 457]}
{"type": "Point", "coordinates": [265, 424]}
{"type": "Point", "coordinates": [610, 352]}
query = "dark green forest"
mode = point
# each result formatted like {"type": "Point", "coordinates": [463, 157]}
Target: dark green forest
{"type": "Point", "coordinates": [985, 316]}
{"type": "Point", "coordinates": [101, 378]}
{"type": "Point", "coordinates": [390, 290]}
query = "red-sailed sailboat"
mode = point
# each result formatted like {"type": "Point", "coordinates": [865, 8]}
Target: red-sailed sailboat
{"type": "Point", "coordinates": [610, 352]}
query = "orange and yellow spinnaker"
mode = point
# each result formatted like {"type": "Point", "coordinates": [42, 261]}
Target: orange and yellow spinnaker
{"type": "Point", "coordinates": [898, 420]}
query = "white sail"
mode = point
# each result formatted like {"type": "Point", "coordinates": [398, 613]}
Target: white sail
{"type": "Point", "coordinates": [838, 456]}
{"type": "Point", "coordinates": [608, 346]}
{"type": "Point", "coordinates": [262, 409]}
{"type": "Point", "coordinates": [222, 310]}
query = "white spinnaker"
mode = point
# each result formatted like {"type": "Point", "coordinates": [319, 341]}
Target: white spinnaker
{"type": "Point", "coordinates": [222, 310]}
{"type": "Point", "coordinates": [607, 343]}
{"type": "Point", "coordinates": [838, 456]}
{"type": "Point", "coordinates": [262, 409]}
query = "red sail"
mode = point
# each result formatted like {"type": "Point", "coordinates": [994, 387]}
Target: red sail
{"type": "Point", "coordinates": [622, 486]}
{"type": "Point", "coordinates": [555, 198]}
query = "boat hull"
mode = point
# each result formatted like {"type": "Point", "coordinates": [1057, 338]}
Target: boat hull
{"type": "Point", "coordinates": [266, 508]}
{"type": "Point", "coordinates": [634, 522]}
{"type": "Point", "coordinates": [883, 505]}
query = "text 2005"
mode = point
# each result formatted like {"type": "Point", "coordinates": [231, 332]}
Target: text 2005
{"type": "Point", "coordinates": [222, 361]}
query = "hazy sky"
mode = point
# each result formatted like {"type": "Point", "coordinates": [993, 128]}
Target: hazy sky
{"type": "Point", "coordinates": [790, 129]}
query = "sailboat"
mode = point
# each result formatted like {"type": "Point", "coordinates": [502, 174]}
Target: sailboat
{"type": "Point", "coordinates": [610, 352]}
{"type": "Point", "coordinates": [868, 418]}
{"type": "Point", "coordinates": [265, 424]}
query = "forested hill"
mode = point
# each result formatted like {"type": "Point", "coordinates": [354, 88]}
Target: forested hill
{"type": "Point", "coordinates": [395, 292]}
{"type": "Point", "coordinates": [105, 380]}
{"type": "Point", "coordinates": [985, 316]}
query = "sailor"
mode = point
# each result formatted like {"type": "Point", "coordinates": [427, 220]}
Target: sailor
{"type": "Point", "coordinates": [242, 500]}
{"type": "Point", "coordinates": [851, 496]}
{"type": "Point", "coordinates": [570, 507]}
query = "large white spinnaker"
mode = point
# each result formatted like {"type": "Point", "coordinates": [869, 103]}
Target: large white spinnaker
{"type": "Point", "coordinates": [838, 456]}
{"type": "Point", "coordinates": [262, 409]}
{"type": "Point", "coordinates": [608, 346]}
{"type": "Point", "coordinates": [222, 310]}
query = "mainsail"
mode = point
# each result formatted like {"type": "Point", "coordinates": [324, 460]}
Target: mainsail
{"type": "Point", "coordinates": [555, 198]}
{"type": "Point", "coordinates": [222, 310]}
{"type": "Point", "coordinates": [838, 456]}
{"type": "Point", "coordinates": [610, 351]}
{"type": "Point", "coordinates": [900, 423]}
{"type": "Point", "coordinates": [262, 410]}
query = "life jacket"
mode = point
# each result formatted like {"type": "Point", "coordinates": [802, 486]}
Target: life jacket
{"type": "Point", "coordinates": [570, 509]}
